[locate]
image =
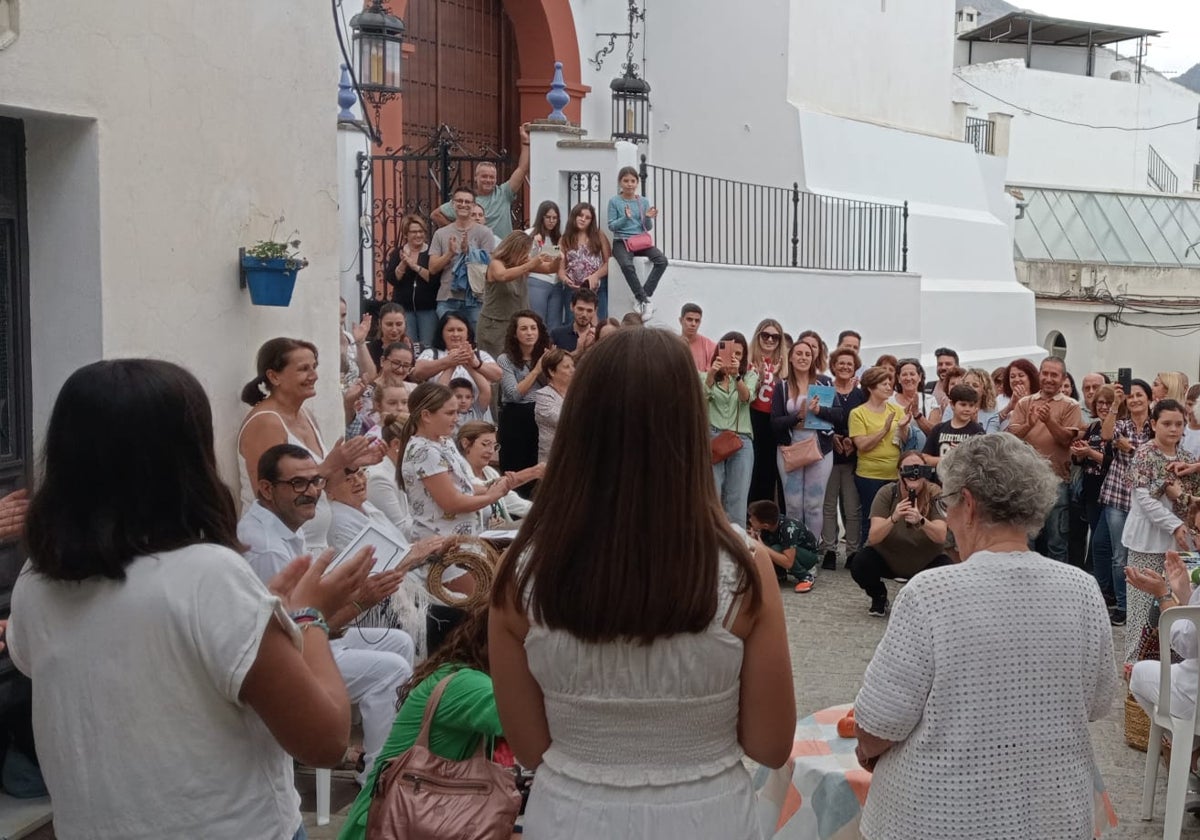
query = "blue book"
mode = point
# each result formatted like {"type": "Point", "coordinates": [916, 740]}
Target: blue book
{"type": "Point", "coordinates": [824, 395]}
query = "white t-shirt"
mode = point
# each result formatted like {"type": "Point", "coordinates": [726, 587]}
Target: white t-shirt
{"type": "Point", "coordinates": [139, 729]}
{"type": "Point", "coordinates": [423, 458]}
{"type": "Point", "coordinates": [1191, 441]}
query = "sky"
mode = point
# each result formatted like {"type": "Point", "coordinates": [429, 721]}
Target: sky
{"type": "Point", "coordinates": [1170, 54]}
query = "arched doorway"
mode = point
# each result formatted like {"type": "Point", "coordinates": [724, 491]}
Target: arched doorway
{"type": "Point", "coordinates": [475, 70]}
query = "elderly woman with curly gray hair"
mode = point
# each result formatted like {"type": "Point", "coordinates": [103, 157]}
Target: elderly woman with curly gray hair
{"type": "Point", "coordinates": [995, 737]}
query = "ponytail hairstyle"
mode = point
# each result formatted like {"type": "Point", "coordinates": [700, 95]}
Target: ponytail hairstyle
{"type": "Point", "coordinates": [391, 428]}
{"type": "Point", "coordinates": [274, 355]}
{"type": "Point", "coordinates": [428, 396]}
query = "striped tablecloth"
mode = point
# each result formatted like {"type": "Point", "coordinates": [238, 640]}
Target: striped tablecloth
{"type": "Point", "coordinates": [819, 794]}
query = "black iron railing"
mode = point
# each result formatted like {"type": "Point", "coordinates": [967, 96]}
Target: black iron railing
{"type": "Point", "coordinates": [980, 134]}
{"type": "Point", "coordinates": [583, 186]}
{"type": "Point", "coordinates": [716, 220]}
{"type": "Point", "coordinates": [1159, 174]}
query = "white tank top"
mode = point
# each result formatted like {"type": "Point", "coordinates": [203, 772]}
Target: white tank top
{"type": "Point", "coordinates": [316, 531]}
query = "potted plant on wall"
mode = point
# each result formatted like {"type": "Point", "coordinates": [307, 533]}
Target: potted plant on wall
{"type": "Point", "coordinates": [268, 268]}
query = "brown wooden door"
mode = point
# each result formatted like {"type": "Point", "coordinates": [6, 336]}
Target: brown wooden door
{"type": "Point", "coordinates": [463, 74]}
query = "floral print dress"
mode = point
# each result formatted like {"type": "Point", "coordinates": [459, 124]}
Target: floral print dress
{"type": "Point", "coordinates": [581, 264]}
{"type": "Point", "coordinates": [424, 458]}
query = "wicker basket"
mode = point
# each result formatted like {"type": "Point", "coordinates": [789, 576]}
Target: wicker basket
{"type": "Point", "coordinates": [1137, 724]}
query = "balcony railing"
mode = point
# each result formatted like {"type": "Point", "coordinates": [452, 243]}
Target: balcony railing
{"type": "Point", "coordinates": [980, 134]}
{"type": "Point", "coordinates": [716, 220]}
{"type": "Point", "coordinates": [583, 186]}
{"type": "Point", "coordinates": [1159, 174]}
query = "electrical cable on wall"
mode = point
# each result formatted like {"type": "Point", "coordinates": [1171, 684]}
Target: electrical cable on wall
{"type": "Point", "coordinates": [1188, 121]}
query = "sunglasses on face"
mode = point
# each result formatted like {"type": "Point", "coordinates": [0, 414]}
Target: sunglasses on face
{"type": "Point", "coordinates": [766, 336]}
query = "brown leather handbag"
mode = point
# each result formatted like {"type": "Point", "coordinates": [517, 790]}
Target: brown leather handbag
{"type": "Point", "coordinates": [724, 445]}
{"type": "Point", "coordinates": [422, 796]}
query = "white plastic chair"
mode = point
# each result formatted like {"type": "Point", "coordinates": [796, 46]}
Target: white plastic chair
{"type": "Point", "coordinates": [1182, 731]}
{"type": "Point", "coordinates": [324, 785]}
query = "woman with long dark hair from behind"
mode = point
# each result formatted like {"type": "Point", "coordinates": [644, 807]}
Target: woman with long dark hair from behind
{"type": "Point", "coordinates": [524, 346]}
{"type": "Point", "coordinates": [136, 609]}
{"type": "Point", "coordinates": [674, 614]}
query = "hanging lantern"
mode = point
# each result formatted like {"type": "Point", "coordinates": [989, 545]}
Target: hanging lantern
{"type": "Point", "coordinates": [631, 108]}
{"type": "Point", "coordinates": [378, 40]}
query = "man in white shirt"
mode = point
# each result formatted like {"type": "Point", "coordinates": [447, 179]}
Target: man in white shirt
{"type": "Point", "coordinates": [374, 664]}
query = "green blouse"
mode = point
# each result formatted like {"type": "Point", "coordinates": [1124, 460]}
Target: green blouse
{"type": "Point", "coordinates": [466, 713]}
{"type": "Point", "coordinates": [725, 407]}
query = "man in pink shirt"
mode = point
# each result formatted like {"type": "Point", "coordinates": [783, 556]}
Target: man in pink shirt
{"type": "Point", "coordinates": [702, 348]}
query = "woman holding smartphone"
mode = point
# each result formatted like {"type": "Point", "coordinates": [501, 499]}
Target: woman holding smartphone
{"type": "Point", "coordinates": [628, 215]}
{"type": "Point", "coordinates": [728, 387]}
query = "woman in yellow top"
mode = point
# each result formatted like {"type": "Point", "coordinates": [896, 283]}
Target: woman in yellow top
{"type": "Point", "coordinates": [879, 430]}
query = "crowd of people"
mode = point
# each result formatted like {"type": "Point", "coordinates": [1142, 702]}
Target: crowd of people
{"type": "Point", "coordinates": [494, 397]}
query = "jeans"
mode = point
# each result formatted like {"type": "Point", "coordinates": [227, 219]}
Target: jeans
{"type": "Point", "coordinates": [601, 303]}
{"type": "Point", "coordinates": [625, 260]}
{"type": "Point", "coordinates": [804, 488]}
{"type": "Point", "coordinates": [841, 489]}
{"type": "Point", "coordinates": [469, 309]}
{"type": "Point", "coordinates": [870, 567]}
{"type": "Point", "coordinates": [300, 834]}
{"type": "Point", "coordinates": [422, 326]}
{"type": "Point", "coordinates": [550, 300]}
{"type": "Point", "coordinates": [1054, 534]}
{"type": "Point", "coordinates": [732, 477]}
{"type": "Point", "coordinates": [867, 489]}
{"type": "Point", "coordinates": [1112, 526]}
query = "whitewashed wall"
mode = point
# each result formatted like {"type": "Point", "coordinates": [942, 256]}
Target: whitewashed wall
{"type": "Point", "coordinates": [887, 62]}
{"type": "Point", "coordinates": [161, 137]}
{"type": "Point", "coordinates": [1046, 152]}
{"type": "Point", "coordinates": [737, 298]}
{"type": "Point", "coordinates": [1146, 351]}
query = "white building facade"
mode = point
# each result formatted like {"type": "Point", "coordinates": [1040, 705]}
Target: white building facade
{"type": "Point", "coordinates": [1103, 157]}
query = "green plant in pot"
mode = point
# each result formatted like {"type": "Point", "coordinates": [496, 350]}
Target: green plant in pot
{"type": "Point", "coordinates": [269, 268]}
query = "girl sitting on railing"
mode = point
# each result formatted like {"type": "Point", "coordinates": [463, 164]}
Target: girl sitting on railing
{"type": "Point", "coordinates": [630, 218]}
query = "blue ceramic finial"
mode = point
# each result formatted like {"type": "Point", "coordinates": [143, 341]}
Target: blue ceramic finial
{"type": "Point", "coordinates": [346, 97]}
{"type": "Point", "coordinates": [558, 96]}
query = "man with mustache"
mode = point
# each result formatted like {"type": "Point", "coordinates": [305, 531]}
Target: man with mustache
{"type": "Point", "coordinates": [374, 666]}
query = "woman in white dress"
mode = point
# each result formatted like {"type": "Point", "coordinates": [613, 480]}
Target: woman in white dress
{"type": "Point", "coordinates": [636, 664]}
{"type": "Point", "coordinates": [287, 378]}
{"type": "Point", "coordinates": [558, 367]}
{"type": "Point", "coordinates": [974, 710]}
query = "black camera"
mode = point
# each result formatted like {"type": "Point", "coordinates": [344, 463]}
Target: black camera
{"type": "Point", "coordinates": [912, 472]}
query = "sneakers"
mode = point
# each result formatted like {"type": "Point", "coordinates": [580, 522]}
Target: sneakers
{"type": "Point", "coordinates": [646, 309]}
{"type": "Point", "coordinates": [879, 607]}
{"type": "Point", "coordinates": [805, 584]}
{"type": "Point", "coordinates": [830, 561]}
{"type": "Point", "coordinates": [1117, 617]}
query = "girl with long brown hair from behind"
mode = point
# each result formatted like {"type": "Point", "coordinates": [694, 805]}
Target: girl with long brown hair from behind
{"type": "Point", "coordinates": [663, 606]}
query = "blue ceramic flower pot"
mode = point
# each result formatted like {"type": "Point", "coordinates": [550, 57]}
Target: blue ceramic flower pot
{"type": "Point", "coordinates": [270, 281]}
